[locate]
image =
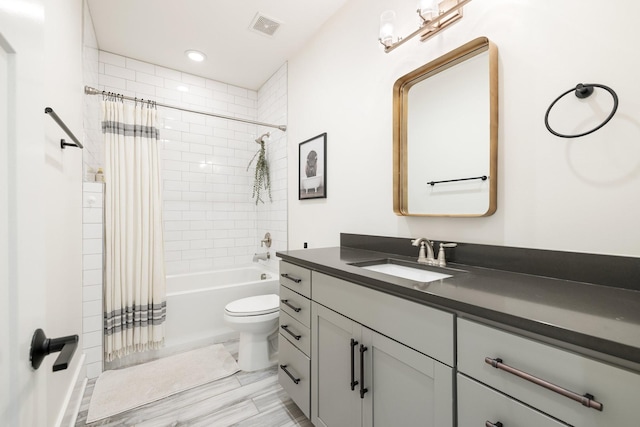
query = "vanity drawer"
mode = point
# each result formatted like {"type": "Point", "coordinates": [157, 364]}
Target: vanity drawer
{"type": "Point", "coordinates": [294, 374]}
{"type": "Point", "coordinates": [479, 405]}
{"type": "Point", "coordinates": [615, 388]}
{"type": "Point", "coordinates": [425, 329]}
{"type": "Point", "coordinates": [296, 332]}
{"type": "Point", "coordinates": [295, 278]}
{"type": "Point", "coordinates": [295, 305]}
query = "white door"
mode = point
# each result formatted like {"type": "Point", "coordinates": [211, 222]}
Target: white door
{"type": "Point", "coordinates": [22, 289]}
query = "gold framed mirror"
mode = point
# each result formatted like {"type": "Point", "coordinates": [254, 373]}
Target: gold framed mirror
{"type": "Point", "coordinates": [445, 135]}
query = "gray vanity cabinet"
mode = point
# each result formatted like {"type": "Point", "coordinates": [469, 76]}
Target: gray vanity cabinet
{"type": "Point", "coordinates": [361, 377]}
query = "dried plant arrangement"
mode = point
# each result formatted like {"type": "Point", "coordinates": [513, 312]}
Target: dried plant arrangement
{"type": "Point", "coordinates": [261, 181]}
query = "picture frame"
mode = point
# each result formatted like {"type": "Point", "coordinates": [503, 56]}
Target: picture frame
{"type": "Point", "coordinates": [312, 168]}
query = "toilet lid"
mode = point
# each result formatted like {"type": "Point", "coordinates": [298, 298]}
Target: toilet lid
{"type": "Point", "coordinates": [254, 306]}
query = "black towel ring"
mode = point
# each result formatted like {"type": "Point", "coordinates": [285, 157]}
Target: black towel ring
{"type": "Point", "coordinates": [583, 91]}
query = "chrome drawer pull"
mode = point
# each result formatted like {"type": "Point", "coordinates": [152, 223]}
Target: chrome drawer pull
{"type": "Point", "coordinates": [286, 328]}
{"type": "Point", "coordinates": [286, 302]}
{"type": "Point", "coordinates": [490, 424]}
{"type": "Point", "coordinates": [294, 379]}
{"type": "Point", "coordinates": [585, 400]}
{"type": "Point", "coordinates": [294, 279]}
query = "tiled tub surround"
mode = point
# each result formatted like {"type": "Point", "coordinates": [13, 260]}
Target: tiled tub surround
{"type": "Point", "coordinates": [210, 218]}
{"type": "Point", "coordinates": [589, 318]}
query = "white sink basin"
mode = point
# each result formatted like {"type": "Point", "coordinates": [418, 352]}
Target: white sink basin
{"type": "Point", "coordinates": [417, 274]}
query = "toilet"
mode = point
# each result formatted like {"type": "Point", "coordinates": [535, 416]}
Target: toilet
{"type": "Point", "coordinates": [255, 318]}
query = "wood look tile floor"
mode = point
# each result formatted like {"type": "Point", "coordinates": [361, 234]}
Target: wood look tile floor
{"type": "Point", "coordinates": [245, 399]}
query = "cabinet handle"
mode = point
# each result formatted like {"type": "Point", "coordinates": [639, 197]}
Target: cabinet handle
{"type": "Point", "coordinates": [362, 389]}
{"type": "Point", "coordinates": [294, 279]}
{"type": "Point", "coordinates": [490, 424]}
{"type": "Point", "coordinates": [354, 383]}
{"type": "Point", "coordinates": [286, 371]}
{"type": "Point", "coordinates": [585, 400]}
{"type": "Point", "coordinates": [286, 328]}
{"type": "Point", "coordinates": [286, 302]}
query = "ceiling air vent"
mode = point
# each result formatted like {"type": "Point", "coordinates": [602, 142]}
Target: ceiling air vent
{"type": "Point", "coordinates": [264, 25]}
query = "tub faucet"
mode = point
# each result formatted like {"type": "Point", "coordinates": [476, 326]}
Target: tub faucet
{"type": "Point", "coordinates": [428, 259]}
{"type": "Point", "coordinates": [263, 256]}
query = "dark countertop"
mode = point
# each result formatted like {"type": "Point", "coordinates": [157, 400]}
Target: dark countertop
{"type": "Point", "coordinates": [578, 316]}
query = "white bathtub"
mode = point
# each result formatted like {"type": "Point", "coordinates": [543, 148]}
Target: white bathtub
{"type": "Point", "coordinates": [195, 307]}
{"type": "Point", "coordinates": [196, 301]}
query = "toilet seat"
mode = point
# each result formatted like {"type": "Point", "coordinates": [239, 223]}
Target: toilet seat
{"type": "Point", "coordinates": [253, 306]}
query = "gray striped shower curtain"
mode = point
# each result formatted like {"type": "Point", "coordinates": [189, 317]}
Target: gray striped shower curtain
{"type": "Point", "coordinates": [134, 290]}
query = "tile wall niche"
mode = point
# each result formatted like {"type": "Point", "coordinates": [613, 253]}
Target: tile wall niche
{"type": "Point", "coordinates": [210, 219]}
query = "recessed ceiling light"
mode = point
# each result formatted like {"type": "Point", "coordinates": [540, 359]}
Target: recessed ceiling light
{"type": "Point", "coordinates": [196, 56]}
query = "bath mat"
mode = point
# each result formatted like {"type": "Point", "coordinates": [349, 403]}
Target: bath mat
{"type": "Point", "coordinates": [120, 390]}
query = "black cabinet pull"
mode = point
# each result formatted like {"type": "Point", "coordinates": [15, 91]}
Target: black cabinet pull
{"type": "Point", "coordinates": [293, 279]}
{"type": "Point", "coordinates": [585, 400]}
{"type": "Point", "coordinates": [286, 302]}
{"type": "Point", "coordinates": [362, 389]}
{"type": "Point", "coordinates": [286, 371]}
{"type": "Point", "coordinates": [490, 424]}
{"type": "Point", "coordinates": [354, 383]}
{"type": "Point", "coordinates": [286, 328]}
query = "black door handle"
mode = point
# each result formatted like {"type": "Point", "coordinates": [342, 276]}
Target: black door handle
{"type": "Point", "coordinates": [41, 346]}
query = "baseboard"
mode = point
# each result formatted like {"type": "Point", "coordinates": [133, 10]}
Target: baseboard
{"type": "Point", "coordinates": [73, 398]}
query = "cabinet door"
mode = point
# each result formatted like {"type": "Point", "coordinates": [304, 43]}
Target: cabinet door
{"type": "Point", "coordinates": [405, 387]}
{"type": "Point", "coordinates": [333, 403]}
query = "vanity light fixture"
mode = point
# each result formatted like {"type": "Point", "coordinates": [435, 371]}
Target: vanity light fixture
{"type": "Point", "coordinates": [435, 15]}
{"type": "Point", "coordinates": [195, 55]}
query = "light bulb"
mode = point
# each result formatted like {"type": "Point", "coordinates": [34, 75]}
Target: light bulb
{"type": "Point", "coordinates": [387, 20]}
{"type": "Point", "coordinates": [428, 9]}
{"type": "Point", "coordinates": [196, 56]}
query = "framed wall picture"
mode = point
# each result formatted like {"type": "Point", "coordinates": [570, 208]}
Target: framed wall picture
{"type": "Point", "coordinates": [312, 168]}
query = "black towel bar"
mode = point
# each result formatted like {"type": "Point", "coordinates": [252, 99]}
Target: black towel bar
{"type": "Point", "coordinates": [64, 127]}
{"type": "Point", "coordinates": [483, 177]}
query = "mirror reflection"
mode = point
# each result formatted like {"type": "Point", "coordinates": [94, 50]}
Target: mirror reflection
{"type": "Point", "coordinates": [445, 135]}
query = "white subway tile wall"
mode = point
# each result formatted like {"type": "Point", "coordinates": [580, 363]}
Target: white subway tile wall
{"type": "Point", "coordinates": [272, 108]}
{"type": "Point", "coordinates": [92, 277]}
{"type": "Point", "coordinates": [210, 218]}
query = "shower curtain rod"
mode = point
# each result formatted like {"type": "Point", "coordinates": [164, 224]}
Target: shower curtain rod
{"type": "Point", "coordinates": [92, 91]}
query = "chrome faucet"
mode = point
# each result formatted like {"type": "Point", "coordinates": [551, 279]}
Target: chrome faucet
{"type": "Point", "coordinates": [263, 256]}
{"type": "Point", "coordinates": [424, 243]}
{"type": "Point", "coordinates": [266, 241]}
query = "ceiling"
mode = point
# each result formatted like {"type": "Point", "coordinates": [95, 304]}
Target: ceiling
{"type": "Point", "coordinates": [160, 31]}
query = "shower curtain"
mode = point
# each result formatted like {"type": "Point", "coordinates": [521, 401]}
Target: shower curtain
{"type": "Point", "coordinates": [134, 291]}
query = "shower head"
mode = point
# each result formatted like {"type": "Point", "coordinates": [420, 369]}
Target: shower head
{"type": "Point", "coordinates": [262, 138]}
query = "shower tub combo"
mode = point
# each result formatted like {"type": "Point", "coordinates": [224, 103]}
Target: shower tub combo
{"type": "Point", "coordinates": [196, 302]}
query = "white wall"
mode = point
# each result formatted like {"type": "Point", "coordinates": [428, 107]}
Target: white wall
{"type": "Point", "coordinates": [62, 198]}
{"type": "Point", "coordinates": [575, 195]}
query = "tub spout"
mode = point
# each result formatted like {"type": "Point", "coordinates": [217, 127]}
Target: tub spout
{"type": "Point", "coordinates": [263, 256]}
